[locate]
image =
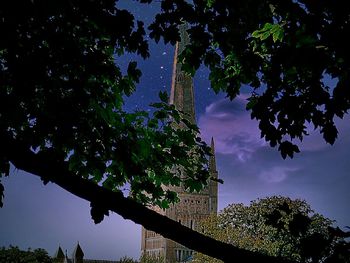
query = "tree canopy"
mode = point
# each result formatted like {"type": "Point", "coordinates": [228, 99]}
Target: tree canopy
{"type": "Point", "coordinates": [278, 226]}
{"type": "Point", "coordinates": [62, 96]}
{"type": "Point", "coordinates": [61, 93]}
{"type": "Point", "coordinates": [283, 50]}
{"type": "Point", "coordinates": [15, 255]}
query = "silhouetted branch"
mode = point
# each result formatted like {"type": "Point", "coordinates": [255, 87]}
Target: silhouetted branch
{"type": "Point", "coordinates": [50, 169]}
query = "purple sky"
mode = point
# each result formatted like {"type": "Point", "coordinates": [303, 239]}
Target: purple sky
{"type": "Point", "coordinates": [35, 215]}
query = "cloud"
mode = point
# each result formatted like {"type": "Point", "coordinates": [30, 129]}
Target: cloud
{"type": "Point", "coordinates": [252, 170]}
{"type": "Point", "coordinates": [233, 130]}
{"type": "Point", "coordinates": [276, 174]}
{"type": "Point", "coordinates": [237, 134]}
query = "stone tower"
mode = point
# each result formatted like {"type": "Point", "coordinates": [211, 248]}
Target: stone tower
{"type": "Point", "coordinates": [192, 207]}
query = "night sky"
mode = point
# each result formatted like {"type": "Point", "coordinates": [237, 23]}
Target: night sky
{"type": "Point", "coordinates": [35, 215]}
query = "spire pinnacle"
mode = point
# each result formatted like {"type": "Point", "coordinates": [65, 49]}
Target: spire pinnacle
{"type": "Point", "coordinates": [182, 94]}
{"type": "Point", "coordinates": [78, 252]}
{"type": "Point", "coordinates": [59, 253]}
{"type": "Point", "coordinates": [212, 160]}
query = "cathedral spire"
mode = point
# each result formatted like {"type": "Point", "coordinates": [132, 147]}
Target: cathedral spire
{"type": "Point", "coordinates": [212, 160]}
{"type": "Point", "coordinates": [182, 95]}
{"type": "Point", "coordinates": [213, 186]}
{"type": "Point", "coordinates": [194, 207]}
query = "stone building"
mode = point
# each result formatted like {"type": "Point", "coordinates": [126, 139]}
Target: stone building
{"type": "Point", "coordinates": [192, 207]}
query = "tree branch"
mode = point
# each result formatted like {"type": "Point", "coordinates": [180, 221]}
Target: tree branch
{"type": "Point", "coordinates": [50, 169]}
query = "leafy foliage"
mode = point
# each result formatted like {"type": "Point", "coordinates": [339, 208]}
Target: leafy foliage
{"type": "Point", "coordinates": [151, 259]}
{"type": "Point", "coordinates": [15, 255]}
{"type": "Point", "coordinates": [62, 94]}
{"type": "Point", "coordinates": [61, 91]}
{"type": "Point", "coordinates": [127, 260]}
{"type": "Point", "coordinates": [279, 226]}
{"type": "Point", "coordinates": [282, 49]}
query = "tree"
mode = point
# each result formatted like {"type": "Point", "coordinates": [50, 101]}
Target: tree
{"type": "Point", "coordinates": [279, 226]}
{"type": "Point", "coordinates": [61, 95]}
{"type": "Point", "coordinates": [282, 49]}
{"type": "Point", "coordinates": [15, 255]}
{"type": "Point", "coordinates": [143, 259]}
{"type": "Point", "coordinates": [127, 260]}
{"type": "Point", "coordinates": [151, 259]}
{"type": "Point", "coordinates": [62, 117]}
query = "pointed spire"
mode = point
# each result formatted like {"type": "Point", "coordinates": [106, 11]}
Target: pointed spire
{"type": "Point", "coordinates": [213, 187]}
{"type": "Point", "coordinates": [212, 160]}
{"type": "Point", "coordinates": [78, 253]}
{"type": "Point", "coordinates": [59, 253]}
{"type": "Point", "coordinates": [182, 94]}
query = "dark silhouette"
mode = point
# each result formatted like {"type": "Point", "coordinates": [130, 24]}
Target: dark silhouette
{"type": "Point", "coordinates": [61, 95]}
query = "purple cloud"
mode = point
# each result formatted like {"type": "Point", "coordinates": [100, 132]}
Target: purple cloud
{"type": "Point", "coordinates": [233, 130]}
{"type": "Point", "coordinates": [276, 174]}
{"type": "Point", "coordinates": [237, 134]}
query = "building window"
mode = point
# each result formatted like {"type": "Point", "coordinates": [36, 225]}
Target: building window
{"type": "Point", "coordinates": [180, 77]}
{"type": "Point", "coordinates": [177, 254]}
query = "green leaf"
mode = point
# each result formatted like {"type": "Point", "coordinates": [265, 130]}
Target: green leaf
{"type": "Point", "coordinates": [189, 69]}
{"type": "Point", "coordinates": [153, 123]}
{"type": "Point", "coordinates": [265, 35]}
{"type": "Point", "coordinates": [164, 204]}
{"type": "Point", "coordinates": [268, 27]}
{"type": "Point", "coordinates": [330, 132]}
{"type": "Point", "coordinates": [163, 96]}
{"type": "Point", "coordinates": [160, 115]}
{"type": "Point", "coordinates": [157, 105]}
{"type": "Point", "coordinates": [109, 183]}
{"type": "Point", "coordinates": [276, 30]}
{"type": "Point", "coordinates": [194, 185]}
{"type": "Point", "coordinates": [256, 34]}
{"type": "Point", "coordinates": [288, 149]}
{"type": "Point", "coordinates": [74, 162]}
{"type": "Point", "coordinates": [134, 72]}
{"type": "Point", "coordinates": [252, 101]}
{"type": "Point", "coordinates": [210, 3]}
{"type": "Point", "coordinates": [278, 35]}
{"type": "Point", "coordinates": [172, 196]}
